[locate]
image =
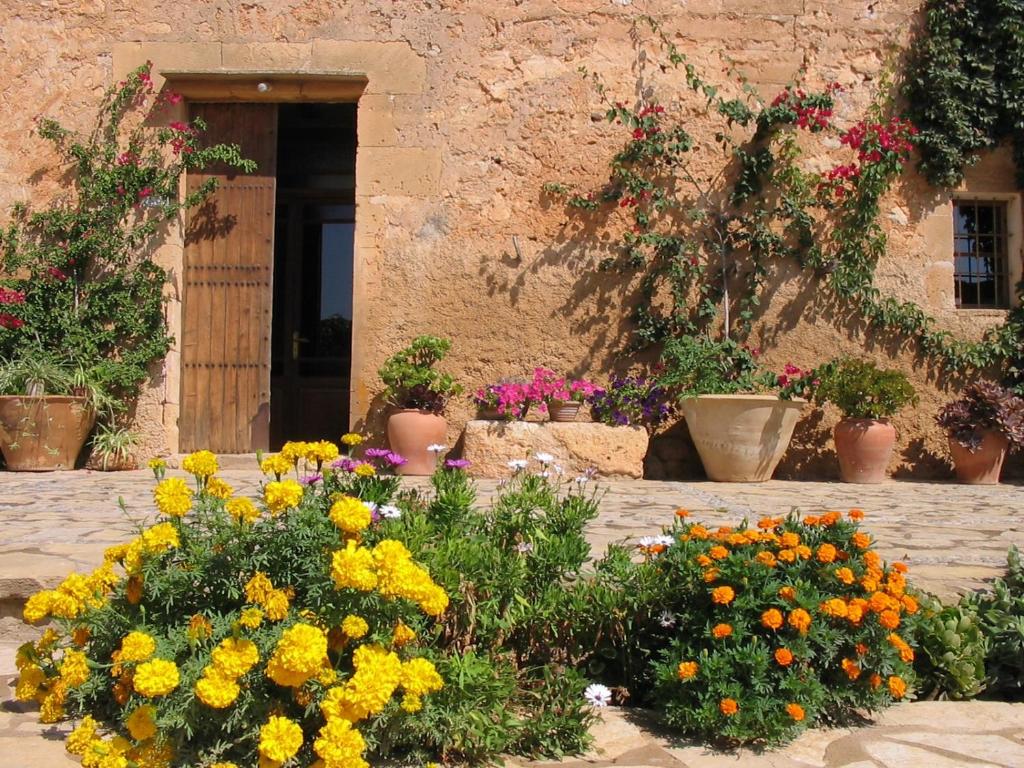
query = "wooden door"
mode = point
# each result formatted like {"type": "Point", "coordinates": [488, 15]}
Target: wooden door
{"type": "Point", "coordinates": [228, 289]}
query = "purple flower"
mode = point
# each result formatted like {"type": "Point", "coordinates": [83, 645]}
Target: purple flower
{"type": "Point", "coordinates": [394, 459]}
{"type": "Point", "coordinates": [376, 453]}
{"type": "Point", "coordinates": [311, 479]}
{"type": "Point", "coordinates": [345, 464]}
{"type": "Point", "coordinates": [456, 463]}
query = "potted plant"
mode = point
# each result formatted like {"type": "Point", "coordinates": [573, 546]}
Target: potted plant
{"type": "Point", "coordinates": [982, 426]}
{"type": "Point", "coordinates": [740, 425]}
{"type": "Point", "coordinates": [560, 396]}
{"type": "Point", "coordinates": [419, 393]}
{"type": "Point", "coordinates": [43, 424]}
{"type": "Point", "coordinates": [867, 396]}
{"type": "Point", "coordinates": [113, 449]}
{"type": "Point", "coordinates": [505, 400]}
{"type": "Point", "coordinates": [631, 401]}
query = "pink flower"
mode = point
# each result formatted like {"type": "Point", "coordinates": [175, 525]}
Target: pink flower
{"type": "Point", "coordinates": [173, 97]}
{"type": "Point", "coordinates": [179, 126]}
{"type": "Point", "coordinates": [10, 321]}
{"type": "Point", "coordinates": [145, 192]}
{"type": "Point", "coordinates": [56, 273]}
{"type": "Point", "coordinates": [11, 296]}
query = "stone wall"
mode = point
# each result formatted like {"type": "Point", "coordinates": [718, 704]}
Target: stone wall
{"type": "Point", "coordinates": [469, 108]}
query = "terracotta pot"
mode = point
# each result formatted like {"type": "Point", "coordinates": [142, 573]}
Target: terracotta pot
{"type": "Point", "coordinates": [984, 465]}
{"type": "Point", "coordinates": [410, 431]}
{"type": "Point", "coordinates": [41, 434]}
{"type": "Point", "coordinates": [111, 463]}
{"type": "Point", "coordinates": [741, 438]}
{"type": "Point", "coordinates": [864, 447]}
{"type": "Point", "coordinates": [563, 410]}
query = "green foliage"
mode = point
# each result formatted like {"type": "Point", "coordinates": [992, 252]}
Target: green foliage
{"type": "Point", "coordinates": [951, 650]}
{"type": "Point", "coordinates": [697, 365]}
{"type": "Point", "coordinates": [113, 445]}
{"type": "Point", "coordinates": [861, 390]}
{"type": "Point", "coordinates": [83, 264]}
{"type": "Point", "coordinates": [410, 378]}
{"type": "Point", "coordinates": [1001, 614]}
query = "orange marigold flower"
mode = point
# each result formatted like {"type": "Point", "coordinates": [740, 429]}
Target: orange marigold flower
{"type": "Point", "coordinates": [710, 575]}
{"type": "Point", "coordinates": [789, 539]}
{"type": "Point", "coordinates": [728, 707]}
{"type": "Point", "coordinates": [880, 602]}
{"type": "Point", "coordinates": [872, 560]}
{"type": "Point", "coordinates": [800, 620]}
{"type": "Point", "coordinates": [703, 561]}
{"type": "Point", "coordinates": [897, 687]}
{"type": "Point", "coordinates": [725, 529]}
{"type": "Point", "coordinates": [861, 649]}
{"type": "Point", "coordinates": [899, 567]}
{"type": "Point", "coordinates": [845, 575]}
{"type": "Point", "coordinates": [766, 558]}
{"type": "Point", "coordinates": [834, 607]}
{"type": "Point", "coordinates": [856, 514]}
{"type": "Point", "coordinates": [851, 668]}
{"type": "Point", "coordinates": [769, 522]}
{"type": "Point", "coordinates": [721, 630]}
{"type": "Point", "coordinates": [787, 555]}
{"type": "Point", "coordinates": [854, 612]}
{"type": "Point", "coordinates": [723, 595]}
{"type": "Point", "coordinates": [861, 540]}
{"type": "Point", "coordinates": [772, 618]}
{"type": "Point", "coordinates": [875, 680]}
{"type": "Point", "coordinates": [889, 619]}
{"type": "Point", "coordinates": [795, 711]}
{"type": "Point", "coordinates": [869, 584]}
{"type": "Point", "coordinates": [829, 518]}
{"type": "Point", "coordinates": [682, 512]}
{"type": "Point", "coordinates": [826, 553]}
{"type": "Point", "coordinates": [783, 656]}
{"type": "Point", "coordinates": [687, 669]}
{"type": "Point", "coordinates": [803, 552]}
{"type": "Point", "coordinates": [787, 593]}
{"type": "Point", "coordinates": [698, 532]}
{"type": "Point", "coordinates": [909, 604]}
{"type": "Point", "coordinates": [810, 520]}
{"type": "Point", "coordinates": [718, 552]}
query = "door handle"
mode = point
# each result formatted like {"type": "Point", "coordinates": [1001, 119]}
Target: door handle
{"type": "Point", "coordinates": [297, 339]}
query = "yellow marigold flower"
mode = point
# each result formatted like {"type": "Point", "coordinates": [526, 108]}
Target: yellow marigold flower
{"type": "Point", "coordinates": [326, 676]}
{"type": "Point", "coordinates": [298, 656]}
{"type": "Point", "coordinates": [30, 679]}
{"type": "Point", "coordinates": [276, 605]}
{"type": "Point", "coordinates": [258, 587]}
{"type": "Point", "coordinates": [234, 657]}
{"type": "Point", "coordinates": [219, 489]}
{"type": "Point", "coordinates": [795, 711]}
{"type": "Point", "coordinates": [718, 552]}
{"type": "Point", "coordinates": [687, 670]}
{"type": "Point", "coordinates": [321, 452]}
{"type": "Point", "coordinates": [215, 689]}
{"type": "Point", "coordinates": [411, 703]}
{"type": "Point", "coordinates": [242, 510]}
{"type": "Point", "coordinates": [79, 740]}
{"type": "Point", "coordinates": [160, 538]}
{"type": "Point", "coordinates": [282, 495]}
{"type": "Point", "coordinates": [787, 593]}
{"type": "Point", "coordinates": [889, 619]}
{"type": "Point", "coordinates": [340, 745]}
{"type": "Point", "coordinates": [156, 678]}
{"type": "Point", "coordinates": [771, 619]}
{"type": "Point", "coordinates": [721, 630]}
{"type": "Point", "coordinates": [834, 607]}
{"type": "Point", "coordinates": [251, 618]}
{"type": "Point", "coordinates": [201, 464]}
{"type": "Point", "coordinates": [365, 470]}
{"type": "Point", "coordinates": [354, 627]}
{"type": "Point", "coordinates": [293, 450]}
{"type": "Point", "coordinates": [353, 568]}
{"type": "Point", "coordinates": [37, 607]}
{"type": "Point", "coordinates": [845, 575]}
{"type": "Point", "coordinates": [766, 558]}
{"type": "Point", "coordinates": [351, 439]}
{"type": "Point", "coordinates": [403, 635]}
{"type": "Point", "coordinates": [851, 668]}
{"type": "Point", "coordinates": [224, 765]}
{"type": "Point", "coordinates": [728, 707]}
{"type": "Point", "coordinates": [722, 595]}
{"type": "Point", "coordinates": [136, 646]}
{"type": "Point", "coordinates": [140, 722]}
{"type": "Point", "coordinates": [800, 620]}
{"type": "Point", "coordinates": [51, 710]}
{"type": "Point", "coordinates": [897, 687]}
{"type": "Point", "coordinates": [159, 754]}
{"type": "Point", "coordinates": [399, 576]}
{"type": "Point", "coordinates": [173, 498]}
{"type": "Point", "coordinates": [420, 677]}
{"type": "Point", "coordinates": [199, 627]}
{"type": "Point", "coordinates": [74, 668]}
{"type": "Point", "coordinates": [783, 657]}
{"type": "Point", "coordinates": [378, 673]}
{"type": "Point", "coordinates": [156, 464]}
{"type": "Point", "coordinates": [280, 739]}
{"type": "Point", "coordinates": [826, 553]}
{"type": "Point", "coordinates": [350, 514]}
{"type": "Point", "coordinates": [276, 464]}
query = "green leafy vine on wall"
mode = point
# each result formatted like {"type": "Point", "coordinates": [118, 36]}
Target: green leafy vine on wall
{"type": "Point", "coordinates": [707, 244]}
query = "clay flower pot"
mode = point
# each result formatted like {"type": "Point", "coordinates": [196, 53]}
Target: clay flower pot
{"type": "Point", "coordinates": [741, 438]}
{"type": "Point", "coordinates": [864, 447]}
{"type": "Point", "coordinates": [983, 466]}
{"type": "Point", "coordinates": [563, 410]}
{"type": "Point", "coordinates": [42, 434]}
{"type": "Point", "coordinates": [410, 432]}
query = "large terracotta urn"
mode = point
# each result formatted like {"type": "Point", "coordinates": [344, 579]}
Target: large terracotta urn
{"type": "Point", "coordinates": [410, 433]}
{"type": "Point", "coordinates": [865, 448]}
{"type": "Point", "coordinates": [981, 467]}
{"type": "Point", "coordinates": [42, 434]}
{"type": "Point", "coordinates": [741, 438]}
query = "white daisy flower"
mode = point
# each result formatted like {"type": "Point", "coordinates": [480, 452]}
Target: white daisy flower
{"type": "Point", "coordinates": [598, 695]}
{"type": "Point", "coordinates": [545, 473]}
{"type": "Point", "coordinates": [525, 547]}
{"type": "Point", "coordinates": [436, 448]}
{"type": "Point", "coordinates": [558, 469]}
{"type": "Point", "coordinates": [518, 464]}
{"type": "Point", "coordinates": [667, 619]}
{"type": "Point", "coordinates": [544, 458]}
{"type": "Point", "coordinates": [581, 480]}
{"type": "Point", "coordinates": [390, 511]}
{"type": "Point", "coordinates": [666, 541]}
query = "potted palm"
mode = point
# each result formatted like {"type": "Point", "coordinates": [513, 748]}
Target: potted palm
{"type": "Point", "coordinates": [868, 397]}
{"type": "Point", "coordinates": [982, 426]}
{"type": "Point", "coordinates": [419, 394]}
{"type": "Point", "coordinates": [740, 420]}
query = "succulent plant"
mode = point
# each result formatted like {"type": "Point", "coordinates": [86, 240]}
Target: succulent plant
{"type": "Point", "coordinates": [1001, 615]}
{"type": "Point", "coordinates": [951, 651]}
{"type": "Point", "coordinates": [985, 406]}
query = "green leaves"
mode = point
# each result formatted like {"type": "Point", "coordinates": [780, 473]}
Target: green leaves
{"type": "Point", "coordinates": [410, 379]}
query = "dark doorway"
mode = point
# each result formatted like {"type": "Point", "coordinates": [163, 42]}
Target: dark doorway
{"type": "Point", "coordinates": [311, 348]}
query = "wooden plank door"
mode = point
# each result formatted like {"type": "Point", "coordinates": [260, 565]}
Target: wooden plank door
{"type": "Point", "coordinates": [228, 289]}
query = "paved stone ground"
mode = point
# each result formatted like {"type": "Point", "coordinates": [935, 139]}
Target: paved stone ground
{"type": "Point", "coordinates": [953, 537]}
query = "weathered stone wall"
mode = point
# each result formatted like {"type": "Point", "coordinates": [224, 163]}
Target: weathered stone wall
{"type": "Point", "coordinates": [469, 108]}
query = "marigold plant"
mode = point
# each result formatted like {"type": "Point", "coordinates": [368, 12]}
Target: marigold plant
{"type": "Point", "coordinates": [238, 633]}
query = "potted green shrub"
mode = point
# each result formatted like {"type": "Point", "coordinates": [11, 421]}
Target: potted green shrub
{"type": "Point", "coordinates": [739, 423]}
{"type": "Point", "coordinates": [982, 426]}
{"type": "Point", "coordinates": [113, 449]}
{"type": "Point", "coordinates": [419, 393]}
{"type": "Point", "coordinates": [867, 396]}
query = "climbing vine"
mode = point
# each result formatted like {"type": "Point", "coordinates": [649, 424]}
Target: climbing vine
{"type": "Point", "coordinates": [706, 244]}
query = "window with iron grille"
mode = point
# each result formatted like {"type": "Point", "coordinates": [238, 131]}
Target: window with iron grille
{"type": "Point", "coordinates": [981, 265]}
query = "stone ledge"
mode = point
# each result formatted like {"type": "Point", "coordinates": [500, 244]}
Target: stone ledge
{"type": "Point", "coordinates": [616, 452]}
